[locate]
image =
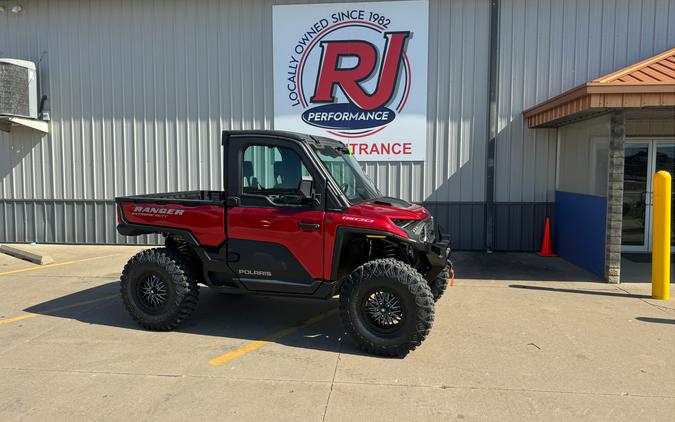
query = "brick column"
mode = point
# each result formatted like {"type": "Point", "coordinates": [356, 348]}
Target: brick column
{"type": "Point", "coordinates": [617, 138]}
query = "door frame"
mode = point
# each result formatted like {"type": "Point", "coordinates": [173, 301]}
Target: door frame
{"type": "Point", "coordinates": [651, 142]}
{"type": "Point", "coordinates": [285, 272]}
{"type": "Point", "coordinates": [656, 141]}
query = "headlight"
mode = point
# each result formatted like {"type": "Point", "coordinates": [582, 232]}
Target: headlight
{"type": "Point", "coordinates": [405, 224]}
{"type": "Point", "coordinates": [421, 230]}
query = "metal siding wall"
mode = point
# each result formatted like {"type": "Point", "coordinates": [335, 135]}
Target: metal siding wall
{"type": "Point", "coordinates": [140, 90]}
{"type": "Point", "coordinates": [463, 222]}
{"type": "Point", "coordinates": [520, 226]}
{"type": "Point", "coordinates": [457, 106]}
{"type": "Point", "coordinates": [548, 47]}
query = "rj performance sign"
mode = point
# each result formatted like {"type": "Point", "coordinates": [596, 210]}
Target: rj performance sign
{"type": "Point", "coordinates": [356, 72]}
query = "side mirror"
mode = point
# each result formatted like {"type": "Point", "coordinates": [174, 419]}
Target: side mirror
{"type": "Point", "coordinates": [306, 187]}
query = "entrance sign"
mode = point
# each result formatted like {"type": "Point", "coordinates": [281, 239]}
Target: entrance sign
{"type": "Point", "coordinates": [356, 72]}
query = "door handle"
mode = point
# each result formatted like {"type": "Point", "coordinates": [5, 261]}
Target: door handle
{"type": "Point", "coordinates": [232, 201]}
{"type": "Point", "coordinates": [309, 226]}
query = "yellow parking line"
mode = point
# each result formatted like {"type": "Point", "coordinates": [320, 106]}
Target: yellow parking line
{"type": "Point", "coordinates": [276, 336]}
{"type": "Point", "coordinates": [17, 318]}
{"type": "Point", "coordinates": [60, 264]}
{"type": "Point", "coordinates": [54, 310]}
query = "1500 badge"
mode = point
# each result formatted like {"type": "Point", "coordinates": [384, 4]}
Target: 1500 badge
{"type": "Point", "coordinates": [359, 219]}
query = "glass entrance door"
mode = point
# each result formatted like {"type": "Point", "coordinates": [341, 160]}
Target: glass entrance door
{"type": "Point", "coordinates": [635, 192]}
{"type": "Point", "coordinates": [642, 160]}
{"type": "Point", "coordinates": [664, 159]}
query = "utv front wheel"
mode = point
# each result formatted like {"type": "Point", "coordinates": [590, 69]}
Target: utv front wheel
{"type": "Point", "coordinates": [159, 289]}
{"type": "Point", "coordinates": [386, 307]}
{"type": "Point", "coordinates": [440, 283]}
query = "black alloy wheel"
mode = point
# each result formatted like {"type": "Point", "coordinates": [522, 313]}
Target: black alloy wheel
{"type": "Point", "coordinates": [383, 311]}
{"type": "Point", "coordinates": [153, 293]}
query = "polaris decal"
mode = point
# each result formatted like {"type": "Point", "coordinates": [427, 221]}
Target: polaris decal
{"type": "Point", "coordinates": [255, 273]}
{"type": "Point", "coordinates": [356, 72]}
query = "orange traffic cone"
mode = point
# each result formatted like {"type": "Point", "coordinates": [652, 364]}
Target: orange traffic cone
{"type": "Point", "coordinates": [547, 244]}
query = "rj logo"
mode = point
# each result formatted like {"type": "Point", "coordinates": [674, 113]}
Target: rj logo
{"type": "Point", "coordinates": [350, 79]}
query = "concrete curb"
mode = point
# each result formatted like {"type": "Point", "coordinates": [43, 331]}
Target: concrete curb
{"type": "Point", "coordinates": [28, 256]}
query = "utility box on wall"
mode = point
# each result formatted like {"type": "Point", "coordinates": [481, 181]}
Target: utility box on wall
{"type": "Point", "coordinates": [18, 89]}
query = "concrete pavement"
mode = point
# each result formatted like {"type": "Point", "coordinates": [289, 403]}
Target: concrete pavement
{"type": "Point", "coordinates": [511, 341]}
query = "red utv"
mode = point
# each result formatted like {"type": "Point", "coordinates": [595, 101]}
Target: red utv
{"type": "Point", "coordinates": [297, 217]}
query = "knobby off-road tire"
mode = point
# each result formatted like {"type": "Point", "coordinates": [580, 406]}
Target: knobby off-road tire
{"type": "Point", "coordinates": [440, 284]}
{"type": "Point", "coordinates": [385, 281]}
{"type": "Point", "coordinates": [159, 289]}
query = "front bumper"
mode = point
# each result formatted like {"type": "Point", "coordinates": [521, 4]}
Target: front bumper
{"type": "Point", "coordinates": [433, 252]}
{"type": "Point", "coordinates": [436, 255]}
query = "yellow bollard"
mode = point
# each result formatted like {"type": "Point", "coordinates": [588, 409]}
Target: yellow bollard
{"type": "Point", "coordinates": [661, 236]}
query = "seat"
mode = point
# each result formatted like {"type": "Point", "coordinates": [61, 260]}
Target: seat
{"type": "Point", "coordinates": [288, 173]}
{"type": "Point", "coordinates": [247, 169]}
{"type": "Point", "coordinates": [250, 181]}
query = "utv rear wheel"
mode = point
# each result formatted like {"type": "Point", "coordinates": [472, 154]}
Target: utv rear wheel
{"type": "Point", "coordinates": [440, 284]}
{"type": "Point", "coordinates": [159, 289]}
{"type": "Point", "coordinates": [386, 307]}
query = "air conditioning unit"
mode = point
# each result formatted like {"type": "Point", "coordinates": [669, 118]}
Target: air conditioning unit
{"type": "Point", "coordinates": [18, 89]}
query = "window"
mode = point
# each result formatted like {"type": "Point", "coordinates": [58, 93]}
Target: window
{"type": "Point", "coordinates": [273, 172]}
{"type": "Point", "coordinates": [348, 174]}
{"type": "Point", "coordinates": [599, 169]}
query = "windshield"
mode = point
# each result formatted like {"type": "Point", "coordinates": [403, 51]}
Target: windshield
{"type": "Point", "coordinates": [347, 173]}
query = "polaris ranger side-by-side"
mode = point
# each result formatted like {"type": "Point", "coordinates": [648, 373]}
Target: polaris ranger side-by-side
{"type": "Point", "coordinates": [297, 217]}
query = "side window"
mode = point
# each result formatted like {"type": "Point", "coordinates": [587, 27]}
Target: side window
{"type": "Point", "coordinates": [274, 172]}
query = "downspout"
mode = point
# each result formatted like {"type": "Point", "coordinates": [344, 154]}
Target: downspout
{"type": "Point", "coordinates": [493, 54]}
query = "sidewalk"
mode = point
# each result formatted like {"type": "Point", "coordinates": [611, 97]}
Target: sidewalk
{"type": "Point", "coordinates": [518, 338]}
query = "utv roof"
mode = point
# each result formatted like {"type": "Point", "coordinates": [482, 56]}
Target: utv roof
{"type": "Point", "coordinates": [294, 136]}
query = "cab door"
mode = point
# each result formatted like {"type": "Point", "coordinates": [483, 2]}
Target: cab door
{"type": "Point", "coordinates": [275, 232]}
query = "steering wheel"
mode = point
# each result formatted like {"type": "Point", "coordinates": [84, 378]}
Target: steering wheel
{"type": "Point", "coordinates": [344, 187]}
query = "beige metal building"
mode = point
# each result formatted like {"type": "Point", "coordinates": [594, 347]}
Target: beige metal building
{"type": "Point", "coordinates": [138, 91]}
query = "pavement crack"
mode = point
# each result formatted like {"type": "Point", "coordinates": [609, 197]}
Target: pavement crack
{"type": "Point", "coordinates": [516, 390]}
{"type": "Point", "coordinates": [332, 382]}
{"type": "Point", "coordinates": [664, 309]}
{"type": "Point", "coordinates": [75, 371]}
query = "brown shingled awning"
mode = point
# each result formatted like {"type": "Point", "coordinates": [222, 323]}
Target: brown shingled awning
{"type": "Point", "coordinates": [647, 84]}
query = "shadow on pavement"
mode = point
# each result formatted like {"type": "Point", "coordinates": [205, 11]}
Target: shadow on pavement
{"type": "Point", "coordinates": [656, 320]}
{"type": "Point", "coordinates": [227, 316]}
{"type": "Point", "coordinates": [517, 266]}
{"type": "Point", "coordinates": [612, 293]}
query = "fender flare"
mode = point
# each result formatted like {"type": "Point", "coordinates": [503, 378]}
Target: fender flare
{"type": "Point", "coordinates": [343, 232]}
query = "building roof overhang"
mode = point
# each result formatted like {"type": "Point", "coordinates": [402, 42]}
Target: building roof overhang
{"type": "Point", "coordinates": [644, 85]}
